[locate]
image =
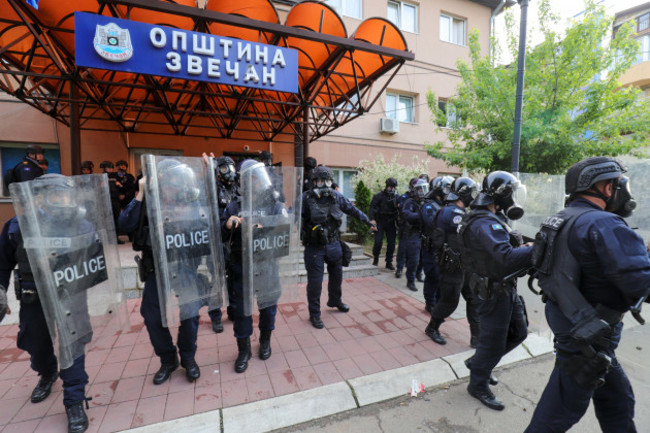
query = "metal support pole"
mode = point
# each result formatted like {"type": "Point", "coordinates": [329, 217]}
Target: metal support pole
{"type": "Point", "coordinates": [75, 133]}
{"type": "Point", "coordinates": [519, 101]}
{"type": "Point", "coordinates": [302, 143]}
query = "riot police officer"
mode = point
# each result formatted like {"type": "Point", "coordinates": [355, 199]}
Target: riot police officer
{"type": "Point", "coordinates": [127, 190]}
{"type": "Point", "coordinates": [87, 167]}
{"type": "Point", "coordinates": [401, 228]}
{"type": "Point", "coordinates": [383, 212]}
{"type": "Point", "coordinates": [489, 255]}
{"type": "Point", "coordinates": [56, 196]}
{"type": "Point", "coordinates": [226, 175]}
{"type": "Point", "coordinates": [590, 241]}
{"type": "Point", "coordinates": [410, 213]}
{"type": "Point", "coordinates": [267, 203]}
{"type": "Point", "coordinates": [310, 164]}
{"type": "Point", "coordinates": [114, 187]}
{"type": "Point", "coordinates": [133, 219]}
{"type": "Point", "coordinates": [445, 243]}
{"type": "Point", "coordinates": [322, 215]}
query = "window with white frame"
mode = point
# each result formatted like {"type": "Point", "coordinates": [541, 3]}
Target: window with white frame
{"type": "Point", "coordinates": [450, 114]}
{"type": "Point", "coordinates": [404, 15]}
{"type": "Point", "coordinates": [643, 22]}
{"type": "Point", "coordinates": [644, 55]}
{"type": "Point", "coordinates": [452, 29]}
{"type": "Point", "coordinates": [400, 107]}
{"type": "Point", "coordinates": [349, 8]}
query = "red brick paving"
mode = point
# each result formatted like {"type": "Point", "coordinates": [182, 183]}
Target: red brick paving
{"type": "Point", "coordinates": [382, 331]}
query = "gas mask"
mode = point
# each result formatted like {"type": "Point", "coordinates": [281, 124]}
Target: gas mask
{"type": "Point", "coordinates": [621, 202]}
{"type": "Point", "coordinates": [227, 172]}
{"type": "Point", "coordinates": [323, 187]}
{"type": "Point", "coordinates": [511, 205]}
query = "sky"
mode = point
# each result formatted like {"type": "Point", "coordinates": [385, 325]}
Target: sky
{"type": "Point", "coordinates": [567, 9]}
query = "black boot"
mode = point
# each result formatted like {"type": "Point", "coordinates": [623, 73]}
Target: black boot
{"type": "Point", "coordinates": [411, 286]}
{"type": "Point", "coordinates": [265, 345]}
{"type": "Point", "coordinates": [375, 261]}
{"type": "Point", "coordinates": [390, 266]}
{"type": "Point", "coordinates": [165, 371]}
{"type": "Point", "coordinates": [398, 273]}
{"type": "Point", "coordinates": [217, 326]}
{"type": "Point", "coordinates": [192, 370]}
{"type": "Point", "coordinates": [244, 346]}
{"type": "Point", "coordinates": [433, 332]}
{"type": "Point", "coordinates": [77, 419]}
{"type": "Point", "coordinates": [44, 387]}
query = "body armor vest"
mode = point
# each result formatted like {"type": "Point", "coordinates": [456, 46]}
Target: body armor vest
{"type": "Point", "coordinates": [325, 212]}
{"type": "Point", "coordinates": [387, 207]}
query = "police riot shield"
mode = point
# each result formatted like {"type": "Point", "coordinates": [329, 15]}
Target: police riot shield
{"type": "Point", "coordinates": [545, 196]}
{"type": "Point", "coordinates": [181, 201]}
{"type": "Point", "coordinates": [271, 204]}
{"type": "Point", "coordinates": [68, 232]}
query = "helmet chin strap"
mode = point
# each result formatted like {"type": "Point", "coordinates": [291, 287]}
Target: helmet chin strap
{"type": "Point", "coordinates": [594, 192]}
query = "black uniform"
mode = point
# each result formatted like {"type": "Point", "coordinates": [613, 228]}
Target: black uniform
{"type": "Point", "coordinates": [383, 210]}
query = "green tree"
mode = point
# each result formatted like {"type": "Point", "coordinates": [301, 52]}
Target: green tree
{"type": "Point", "coordinates": [362, 197]}
{"type": "Point", "coordinates": [374, 173]}
{"type": "Point", "coordinates": [574, 106]}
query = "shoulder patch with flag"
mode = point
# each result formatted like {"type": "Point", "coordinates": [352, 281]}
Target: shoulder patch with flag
{"type": "Point", "coordinates": [497, 227]}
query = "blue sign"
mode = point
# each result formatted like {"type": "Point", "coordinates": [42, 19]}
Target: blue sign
{"type": "Point", "coordinates": [130, 46]}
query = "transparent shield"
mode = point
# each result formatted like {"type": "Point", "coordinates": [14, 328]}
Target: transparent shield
{"type": "Point", "coordinates": [543, 195]}
{"type": "Point", "coordinates": [68, 232]}
{"type": "Point", "coordinates": [181, 201]}
{"type": "Point", "coordinates": [270, 234]}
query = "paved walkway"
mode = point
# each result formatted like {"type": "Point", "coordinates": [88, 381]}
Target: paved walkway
{"type": "Point", "coordinates": [382, 332]}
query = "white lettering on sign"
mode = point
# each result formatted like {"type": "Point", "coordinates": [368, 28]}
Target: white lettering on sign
{"type": "Point", "coordinates": [184, 240]}
{"type": "Point", "coordinates": [77, 272]}
{"type": "Point", "coordinates": [270, 242]}
{"type": "Point", "coordinates": [158, 37]}
{"type": "Point", "coordinates": [205, 55]}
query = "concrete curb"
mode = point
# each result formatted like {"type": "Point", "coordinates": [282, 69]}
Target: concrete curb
{"type": "Point", "coordinates": [287, 410]}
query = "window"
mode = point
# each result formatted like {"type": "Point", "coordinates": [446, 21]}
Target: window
{"type": "Point", "coordinates": [12, 153]}
{"type": "Point", "coordinates": [400, 107]}
{"type": "Point", "coordinates": [644, 55]}
{"type": "Point", "coordinates": [403, 15]}
{"type": "Point", "coordinates": [452, 29]}
{"type": "Point", "coordinates": [452, 119]}
{"type": "Point", "coordinates": [350, 8]}
{"type": "Point", "coordinates": [643, 22]}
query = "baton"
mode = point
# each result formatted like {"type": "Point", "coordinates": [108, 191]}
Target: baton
{"type": "Point", "coordinates": [636, 310]}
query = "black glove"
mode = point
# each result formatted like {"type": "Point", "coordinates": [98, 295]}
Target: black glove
{"type": "Point", "coordinates": [592, 331]}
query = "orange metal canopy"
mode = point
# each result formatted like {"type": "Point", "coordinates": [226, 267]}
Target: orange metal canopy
{"type": "Point", "coordinates": [336, 72]}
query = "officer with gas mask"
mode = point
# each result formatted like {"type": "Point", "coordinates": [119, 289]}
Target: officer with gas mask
{"type": "Point", "coordinates": [179, 188]}
{"type": "Point", "coordinates": [446, 246]}
{"type": "Point", "coordinates": [410, 213]}
{"type": "Point", "coordinates": [490, 254]}
{"type": "Point", "coordinates": [322, 215]}
{"type": "Point", "coordinates": [384, 212]}
{"type": "Point", "coordinates": [401, 228]}
{"type": "Point", "coordinates": [56, 197]}
{"type": "Point", "coordinates": [310, 164]}
{"type": "Point", "coordinates": [227, 186]}
{"type": "Point", "coordinates": [607, 265]}
{"type": "Point", "coordinates": [266, 202]}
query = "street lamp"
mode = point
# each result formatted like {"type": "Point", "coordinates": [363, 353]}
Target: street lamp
{"type": "Point", "coordinates": [519, 101]}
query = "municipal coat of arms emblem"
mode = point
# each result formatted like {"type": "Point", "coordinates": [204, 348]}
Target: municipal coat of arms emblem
{"type": "Point", "coordinates": [113, 43]}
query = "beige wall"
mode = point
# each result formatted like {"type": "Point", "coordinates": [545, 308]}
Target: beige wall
{"type": "Point", "coordinates": [434, 68]}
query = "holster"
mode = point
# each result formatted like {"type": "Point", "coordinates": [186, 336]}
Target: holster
{"type": "Point", "coordinates": [27, 295]}
{"type": "Point", "coordinates": [480, 286]}
{"type": "Point", "coordinates": [145, 266]}
{"type": "Point", "coordinates": [318, 235]}
{"type": "Point", "coordinates": [448, 259]}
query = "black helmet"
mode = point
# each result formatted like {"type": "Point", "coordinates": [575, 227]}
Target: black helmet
{"type": "Point", "coordinates": [392, 182]}
{"type": "Point", "coordinates": [583, 175]}
{"type": "Point", "coordinates": [310, 163]}
{"type": "Point", "coordinates": [257, 174]}
{"type": "Point", "coordinates": [266, 157]}
{"type": "Point", "coordinates": [35, 149]}
{"type": "Point", "coordinates": [106, 164]}
{"type": "Point", "coordinates": [441, 185]}
{"type": "Point", "coordinates": [122, 162]}
{"type": "Point", "coordinates": [226, 171]}
{"type": "Point", "coordinates": [464, 189]}
{"type": "Point", "coordinates": [177, 180]}
{"type": "Point", "coordinates": [412, 183]}
{"type": "Point", "coordinates": [424, 176]}
{"type": "Point", "coordinates": [322, 172]}
{"type": "Point", "coordinates": [500, 187]}
{"type": "Point", "coordinates": [421, 188]}
{"type": "Point", "coordinates": [87, 164]}
{"type": "Point", "coordinates": [58, 197]}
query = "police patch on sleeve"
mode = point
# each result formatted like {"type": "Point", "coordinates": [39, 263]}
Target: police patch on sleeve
{"type": "Point", "coordinates": [497, 227]}
{"type": "Point", "coordinates": [457, 219]}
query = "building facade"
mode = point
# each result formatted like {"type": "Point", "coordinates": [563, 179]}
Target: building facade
{"type": "Point", "coordinates": [436, 31]}
{"type": "Point", "coordinates": [639, 74]}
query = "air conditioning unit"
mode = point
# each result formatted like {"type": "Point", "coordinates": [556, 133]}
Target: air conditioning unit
{"type": "Point", "coordinates": [389, 126]}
